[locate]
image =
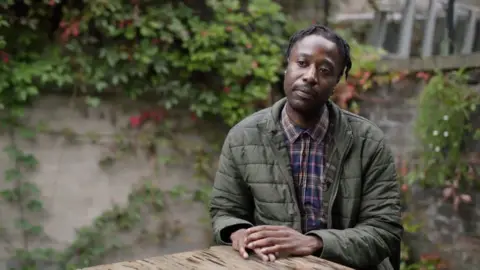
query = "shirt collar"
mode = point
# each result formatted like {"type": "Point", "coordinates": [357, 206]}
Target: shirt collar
{"type": "Point", "coordinates": [317, 132]}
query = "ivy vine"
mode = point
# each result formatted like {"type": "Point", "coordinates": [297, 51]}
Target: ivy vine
{"type": "Point", "coordinates": [446, 105]}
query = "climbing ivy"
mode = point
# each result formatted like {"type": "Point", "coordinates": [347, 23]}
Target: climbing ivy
{"type": "Point", "coordinates": [224, 65]}
{"type": "Point", "coordinates": [444, 121]}
{"type": "Point", "coordinates": [22, 195]}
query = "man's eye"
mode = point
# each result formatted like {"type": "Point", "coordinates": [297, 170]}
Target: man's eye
{"type": "Point", "coordinates": [302, 63]}
{"type": "Point", "coordinates": [324, 70]}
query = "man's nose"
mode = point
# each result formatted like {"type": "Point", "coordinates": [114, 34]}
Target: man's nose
{"type": "Point", "coordinates": [310, 76]}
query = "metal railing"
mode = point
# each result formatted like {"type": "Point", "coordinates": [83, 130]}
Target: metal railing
{"type": "Point", "coordinates": [394, 27]}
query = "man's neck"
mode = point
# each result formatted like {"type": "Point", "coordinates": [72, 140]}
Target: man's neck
{"type": "Point", "coordinates": [304, 120]}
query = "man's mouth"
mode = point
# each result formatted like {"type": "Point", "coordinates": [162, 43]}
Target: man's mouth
{"type": "Point", "coordinates": [303, 93]}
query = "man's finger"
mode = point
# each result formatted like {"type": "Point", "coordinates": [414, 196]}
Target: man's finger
{"type": "Point", "coordinates": [266, 242]}
{"type": "Point", "coordinates": [243, 252]}
{"type": "Point", "coordinates": [262, 255]}
{"type": "Point", "coordinates": [271, 257]}
{"type": "Point", "coordinates": [276, 249]}
{"type": "Point", "coordinates": [264, 228]}
{"type": "Point", "coordinates": [263, 235]}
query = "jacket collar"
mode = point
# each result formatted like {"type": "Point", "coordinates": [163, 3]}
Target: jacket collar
{"type": "Point", "coordinates": [339, 127]}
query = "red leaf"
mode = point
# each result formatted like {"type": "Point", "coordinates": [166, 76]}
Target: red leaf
{"type": "Point", "coordinates": [366, 75]}
{"type": "Point", "coordinates": [428, 257]}
{"type": "Point", "coordinates": [65, 34]}
{"type": "Point", "coordinates": [145, 115]}
{"type": "Point", "coordinates": [135, 121]}
{"type": "Point", "coordinates": [447, 192]}
{"type": "Point", "coordinates": [5, 57]}
{"type": "Point", "coordinates": [456, 203]}
{"type": "Point", "coordinates": [193, 116]}
{"type": "Point", "coordinates": [466, 198]}
{"type": "Point", "coordinates": [75, 30]}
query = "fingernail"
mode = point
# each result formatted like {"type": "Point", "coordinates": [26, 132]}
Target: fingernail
{"type": "Point", "coordinates": [250, 245]}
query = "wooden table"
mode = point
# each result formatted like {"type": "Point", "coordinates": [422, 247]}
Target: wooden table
{"type": "Point", "coordinates": [220, 257]}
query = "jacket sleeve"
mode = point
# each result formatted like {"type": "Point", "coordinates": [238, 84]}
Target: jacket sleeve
{"type": "Point", "coordinates": [379, 228]}
{"type": "Point", "coordinates": [231, 203]}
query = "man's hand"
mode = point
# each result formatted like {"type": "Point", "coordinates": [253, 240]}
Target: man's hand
{"type": "Point", "coordinates": [281, 240]}
{"type": "Point", "coordinates": [238, 243]}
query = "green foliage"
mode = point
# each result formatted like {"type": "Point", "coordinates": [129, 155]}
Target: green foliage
{"type": "Point", "coordinates": [224, 65]}
{"type": "Point", "coordinates": [443, 121]}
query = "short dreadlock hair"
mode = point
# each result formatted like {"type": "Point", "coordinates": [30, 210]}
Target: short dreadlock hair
{"type": "Point", "coordinates": [343, 47]}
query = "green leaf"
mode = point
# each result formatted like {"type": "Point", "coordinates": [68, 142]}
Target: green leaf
{"type": "Point", "coordinates": [9, 196]}
{"type": "Point", "coordinates": [101, 85]}
{"type": "Point", "coordinates": [92, 101]}
{"type": "Point", "coordinates": [130, 33]}
{"type": "Point", "coordinates": [12, 175]}
{"type": "Point", "coordinates": [27, 133]}
{"type": "Point", "coordinates": [35, 205]}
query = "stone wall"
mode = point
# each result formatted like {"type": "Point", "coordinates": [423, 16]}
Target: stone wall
{"type": "Point", "coordinates": [76, 188]}
{"type": "Point", "coordinates": [455, 235]}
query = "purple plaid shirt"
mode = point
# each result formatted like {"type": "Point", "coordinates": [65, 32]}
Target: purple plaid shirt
{"type": "Point", "coordinates": [307, 150]}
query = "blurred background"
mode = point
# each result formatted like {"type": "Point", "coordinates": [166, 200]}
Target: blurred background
{"type": "Point", "coordinates": [113, 113]}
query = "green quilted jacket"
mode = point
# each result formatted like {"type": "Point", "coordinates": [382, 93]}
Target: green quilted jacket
{"type": "Point", "coordinates": [254, 186]}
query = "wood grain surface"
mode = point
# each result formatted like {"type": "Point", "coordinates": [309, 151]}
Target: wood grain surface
{"type": "Point", "coordinates": [220, 257]}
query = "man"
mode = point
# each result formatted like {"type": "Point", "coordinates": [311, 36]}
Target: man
{"type": "Point", "coordinates": [305, 177]}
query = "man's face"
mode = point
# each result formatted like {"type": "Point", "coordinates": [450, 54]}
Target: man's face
{"type": "Point", "coordinates": [313, 70]}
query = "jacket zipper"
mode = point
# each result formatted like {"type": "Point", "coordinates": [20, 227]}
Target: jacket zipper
{"type": "Point", "coordinates": [335, 186]}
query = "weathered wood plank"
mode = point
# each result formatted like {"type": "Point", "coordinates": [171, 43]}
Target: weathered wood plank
{"type": "Point", "coordinates": [220, 257]}
{"type": "Point", "coordinates": [431, 63]}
